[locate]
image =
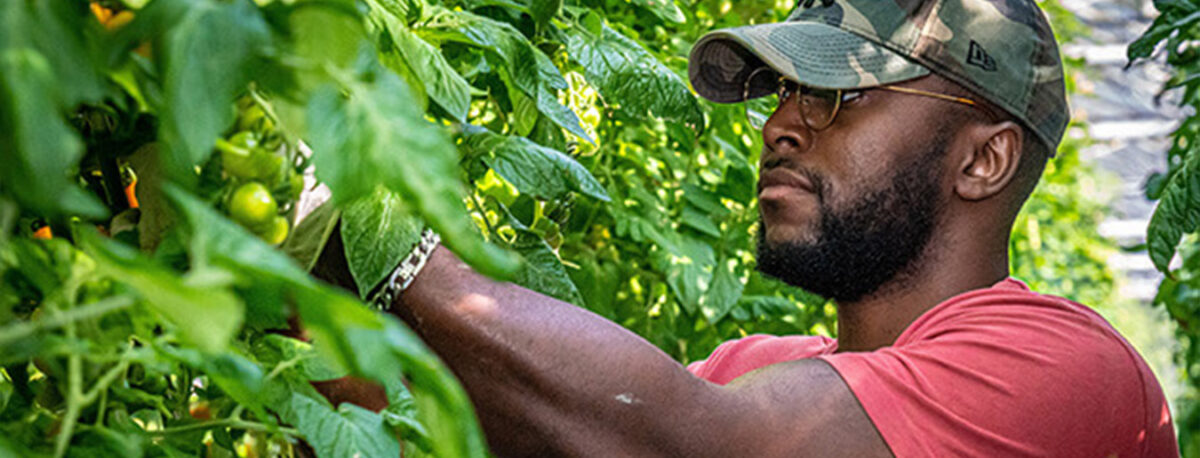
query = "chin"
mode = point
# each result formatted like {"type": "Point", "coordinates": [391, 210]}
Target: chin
{"type": "Point", "coordinates": [782, 234]}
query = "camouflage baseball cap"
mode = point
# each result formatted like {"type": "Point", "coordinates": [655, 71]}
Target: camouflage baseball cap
{"type": "Point", "coordinates": [1003, 50]}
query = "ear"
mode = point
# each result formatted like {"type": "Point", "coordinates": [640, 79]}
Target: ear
{"type": "Point", "coordinates": [991, 162]}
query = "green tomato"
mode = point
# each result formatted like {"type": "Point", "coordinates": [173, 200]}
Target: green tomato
{"type": "Point", "coordinates": [250, 118]}
{"type": "Point", "coordinates": [251, 205]}
{"type": "Point", "coordinates": [244, 139]}
{"type": "Point", "coordinates": [276, 231]}
{"type": "Point", "coordinates": [242, 159]}
{"type": "Point", "coordinates": [238, 155]}
{"type": "Point", "coordinates": [295, 186]}
{"type": "Point", "coordinates": [270, 166]}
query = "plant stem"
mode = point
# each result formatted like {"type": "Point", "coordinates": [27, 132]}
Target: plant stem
{"type": "Point", "coordinates": [110, 172]}
{"type": "Point", "coordinates": [104, 381]}
{"type": "Point", "coordinates": [231, 423]}
{"type": "Point", "coordinates": [18, 331]}
{"type": "Point", "coordinates": [100, 410]}
{"type": "Point", "coordinates": [283, 365]}
{"type": "Point", "coordinates": [483, 212]}
{"type": "Point", "coordinates": [74, 396]}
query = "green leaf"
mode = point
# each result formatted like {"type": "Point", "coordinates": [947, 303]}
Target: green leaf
{"type": "Point", "coordinates": [329, 32]}
{"type": "Point", "coordinates": [664, 9]}
{"type": "Point", "coordinates": [542, 271]}
{"type": "Point", "coordinates": [532, 168]}
{"type": "Point", "coordinates": [8, 449]}
{"type": "Point", "coordinates": [631, 79]}
{"type": "Point", "coordinates": [37, 148]}
{"type": "Point", "coordinates": [347, 334]}
{"type": "Point", "coordinates": [723, 294]}
{"type": "Point", "coordinates": [401, 414]}
{"type": "Point", "coordinates": [397, 63]}
{"type": "Point", "coordinates": [686, 262]}
{"type": "Point", "coordinates": [598, 284]}
{"type": "Point", "coordinates": [205, 315]}
{"type": "Point", "coordinates": [299, 356]}
{"type": "Point", "coordinates": [62, 35]}
{"type": "Point", "coordinates": [373, 135]}
{"type": "Point", "coordinates": [1145, 44]}
{"type": "Point", "coordinates": [407, 11]}
{"type": "Point", "coordinates": [768, 306]}
{"type": "Point", "coordinates": [308, 238]}
{"type": "Point", "coordinates": [443, 83]}
{"type": "Point", "coordinates": [1177, 213]}
{"type": "Point", "coordinates": [263, 274]}
{"type": "Point", "coordinates": [202, 73]}
{"type": "Point", "coordinates": [377, 232]}
{"type": "Point", "coordinates": [8, 219]}
{"type": "Point", "coordinates": [236, 375]}
{"type": "Point", "coordinates": [704, 200]}
{"type": "Point", "coordinates": [693, 218]}
{"type": "Point", "coordinates": [378, 346]}
{"type": "Point", "coordinates": [1162, 28]}
{"type": "Point", "coordinates": [349, 432]}
{"type": "Point", "coordinates": [542, 11]}
{"type": "Point", "coordinates": [525, 113]}
{"type": "Point", "coordinates": [531, 71]}
{"type": "Point", "coordinates": [101, 441]}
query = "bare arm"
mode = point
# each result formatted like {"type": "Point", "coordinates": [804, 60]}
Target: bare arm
{"type": "Point", "coordinates": [550, 378]}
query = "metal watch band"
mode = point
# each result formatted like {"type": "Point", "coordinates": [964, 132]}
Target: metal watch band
{"type": "Point", "coordinates": [406, 272]}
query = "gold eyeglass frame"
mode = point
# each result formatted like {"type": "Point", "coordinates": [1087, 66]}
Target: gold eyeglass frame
{"type": "Point", "coordinates": [838, 99]}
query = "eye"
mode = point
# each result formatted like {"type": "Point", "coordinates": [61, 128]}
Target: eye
{"type": "Point", "coordinates": [786, 90]}
{"type": "Point", "coordinates": [850, 96]}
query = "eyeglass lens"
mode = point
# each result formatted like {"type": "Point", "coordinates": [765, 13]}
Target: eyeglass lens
{"type": "Point", "coordinates": [761, 97]}
{"type": "Point", "coordinates": [818, 106]}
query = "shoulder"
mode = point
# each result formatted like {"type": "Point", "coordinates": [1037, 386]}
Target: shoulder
{"type": "Point", "coordinates": [735, 358]}
{"type": "Point", "coordinates": [1014, 317]}
{"type": "Point", "coordinates": [1012, 372]}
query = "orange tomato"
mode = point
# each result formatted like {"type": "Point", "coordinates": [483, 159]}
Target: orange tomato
{"type": "Point", "coordinates": [102, 14]}
{"type": "Point", "coordinates": [200, 411]}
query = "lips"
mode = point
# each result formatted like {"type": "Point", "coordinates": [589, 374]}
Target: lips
{"type": "Point", "coordinates": [780, 177]}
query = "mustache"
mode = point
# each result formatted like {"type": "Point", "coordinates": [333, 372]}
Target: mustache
{"type": "Point", "coordinates": [817, 180]}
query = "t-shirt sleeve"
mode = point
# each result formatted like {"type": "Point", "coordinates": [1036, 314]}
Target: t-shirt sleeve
{"type": "Point", "coordinates": [738, 357]}
{"type": "Point", "coordinates": [1016, 375]}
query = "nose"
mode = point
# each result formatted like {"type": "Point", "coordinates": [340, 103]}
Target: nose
{"type": "Point", "coordinates": [785, 133]}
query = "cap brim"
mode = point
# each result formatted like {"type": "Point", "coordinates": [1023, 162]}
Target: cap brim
{"type": "Point", "coordinates": [812, 53]}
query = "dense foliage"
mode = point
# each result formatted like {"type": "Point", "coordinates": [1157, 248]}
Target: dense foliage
{"type": "Point", "coordinates": [552, 143]}
{"type": "Point", "coordinates": [1171, 238]}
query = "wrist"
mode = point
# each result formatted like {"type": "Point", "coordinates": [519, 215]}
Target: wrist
{"type": "Point", "coordinates": [405, 272]}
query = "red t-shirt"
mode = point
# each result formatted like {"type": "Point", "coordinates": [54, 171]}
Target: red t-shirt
{"type": "Point", "coordinates": [1001, 371]}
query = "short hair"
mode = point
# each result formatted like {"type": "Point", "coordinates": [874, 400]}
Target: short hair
{"type": "Point", "coordinates": [1034, 152]}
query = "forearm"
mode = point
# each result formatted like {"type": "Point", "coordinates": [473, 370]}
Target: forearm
{"type": "Point", "coordinates": [541, 371]}
{"type": "Point", "coordinates": [551, 379]}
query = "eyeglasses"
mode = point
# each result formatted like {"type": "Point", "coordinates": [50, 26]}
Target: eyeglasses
{"type": "Point", "coordinates": [818, 106]}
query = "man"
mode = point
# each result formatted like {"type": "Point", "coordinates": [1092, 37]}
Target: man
{"type": "Point", "coordinates": [893, 193]}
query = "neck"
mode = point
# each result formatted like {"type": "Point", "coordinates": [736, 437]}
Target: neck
{"type": "Point", "coordinates": [878, 320]}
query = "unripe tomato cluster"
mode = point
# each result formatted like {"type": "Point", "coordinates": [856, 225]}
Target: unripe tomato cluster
{"type": "Point", "coordinates": [262, 178]}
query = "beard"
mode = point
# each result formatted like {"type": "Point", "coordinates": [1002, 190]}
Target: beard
{"type": "Point", "coordinates": [868, 243]}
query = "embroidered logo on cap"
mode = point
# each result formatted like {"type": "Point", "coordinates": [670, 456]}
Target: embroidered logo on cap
{"type": "Point", "coordinates": [980, 58]}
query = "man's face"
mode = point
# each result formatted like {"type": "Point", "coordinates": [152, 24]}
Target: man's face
{"type": "Point", "coordinates": [847, 209]}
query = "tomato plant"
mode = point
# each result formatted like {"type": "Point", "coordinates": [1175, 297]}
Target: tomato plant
{"type": "Point", "coordinates": [555, 144]}
{"type": "Point", "coordinates": [1171, 238]}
